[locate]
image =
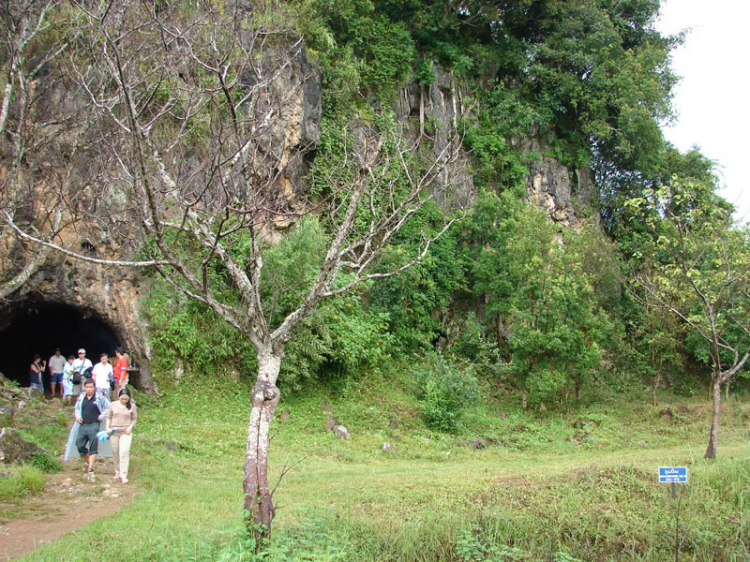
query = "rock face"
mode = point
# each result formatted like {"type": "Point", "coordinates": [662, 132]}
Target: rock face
{"type": "Point", "coordinates": [555, 188]}
{"type": "Point", "coordinates": [111, 295]}
{"type": "Point", "coordinates": [437, 108]}
{"type": "Point", "coordinates": [550, 185]}
{"type": "Point", "coordinates": [14, 448]}
{"type": "Point", "coordinates": [114, 295]}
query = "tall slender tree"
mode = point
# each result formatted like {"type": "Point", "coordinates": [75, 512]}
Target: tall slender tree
{"type": "Point", "coordinates": [698, 267]}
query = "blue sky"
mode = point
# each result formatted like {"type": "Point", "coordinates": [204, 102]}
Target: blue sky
{"type": "Point", "coordinates": [713, 98]}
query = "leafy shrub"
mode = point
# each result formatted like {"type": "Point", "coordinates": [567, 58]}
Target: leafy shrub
{"type": "Point", "coordinates": [188, 330]}
{"type": "Point", "coordinates": [445, 392]}
{"type": "Point", "coordinates": [45, 462]}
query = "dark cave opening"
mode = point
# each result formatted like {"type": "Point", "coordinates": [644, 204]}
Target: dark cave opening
{"type": "Point", "coordinates": [38, 327]}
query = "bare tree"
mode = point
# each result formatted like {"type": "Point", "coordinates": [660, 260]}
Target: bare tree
{"type": "Point", "coordinates": [199, 141]}
{"type": "Point", "coordinates": [25, 133]}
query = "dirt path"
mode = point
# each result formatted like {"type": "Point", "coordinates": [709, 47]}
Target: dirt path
{"type": "Point", "coordinates": [68, 503]}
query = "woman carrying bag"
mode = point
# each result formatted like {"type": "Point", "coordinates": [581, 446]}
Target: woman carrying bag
{"type": "Point", "coordinates": [120, 423]}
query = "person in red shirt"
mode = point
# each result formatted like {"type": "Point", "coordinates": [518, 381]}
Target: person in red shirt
{"type": "Point", "coordinates": [121, 370]}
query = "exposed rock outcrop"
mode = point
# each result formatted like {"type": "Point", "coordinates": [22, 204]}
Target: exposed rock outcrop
{"type": "Point", "coordinates": [555, 188]}
{"type": "Point", "coordinates": [439, 106]}
{"type": "Point", "coordinates": [114, 295]}
{"type": "Point", "coordinates": [16, 449]}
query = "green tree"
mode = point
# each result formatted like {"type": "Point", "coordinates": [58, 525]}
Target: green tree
{"type": "Point", "coordinates": [539, 293]}
{"type": "Point", "coordinates": [697, 266]}
{"type": "Point", "coordinates": [557, 327]}
{"type": "Point", "coordinates": [660, 336]}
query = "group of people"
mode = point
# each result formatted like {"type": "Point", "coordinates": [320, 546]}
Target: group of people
{"type": "Point", "coordinates": [101, 428]}
{"type": "Point", "coordinates": [70, 375]}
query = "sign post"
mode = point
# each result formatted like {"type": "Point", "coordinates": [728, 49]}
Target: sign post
{"type": "Point", "coordinates": [672, 475]}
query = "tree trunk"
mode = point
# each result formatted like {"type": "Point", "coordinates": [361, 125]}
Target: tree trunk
{"type": "Point", "coordinates": [657, 380]}
{"type": "Point", "coordinates": [258, 502]}
{"type": "Point", "coordinates": [713, 438]}
{"type": "Point", "coordinates": [421, 109]}
{"type": "Point", "coordinates": [524, 399]}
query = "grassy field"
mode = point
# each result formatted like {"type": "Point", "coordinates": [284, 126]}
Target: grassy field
{"type": "Point", "coordinates": [556, 486]}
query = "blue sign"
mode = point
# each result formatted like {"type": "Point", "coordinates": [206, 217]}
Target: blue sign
{"type": "Point", "coordinates": [673, 474]}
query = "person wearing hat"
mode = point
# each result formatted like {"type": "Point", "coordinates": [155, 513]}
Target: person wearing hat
{"type": "Point", "coordinates": [80, 365]}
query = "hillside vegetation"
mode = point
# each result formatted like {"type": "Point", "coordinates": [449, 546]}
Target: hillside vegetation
{"type": "Point", "coordinates": [576, 486]}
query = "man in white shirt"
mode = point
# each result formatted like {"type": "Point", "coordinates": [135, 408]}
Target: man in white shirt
{"type": "Point", "coordinates": [103, 373]}
{"type": "Point", "coordinates": [80, 365]}
{"type": "Point", "coordinates": [56, 366]}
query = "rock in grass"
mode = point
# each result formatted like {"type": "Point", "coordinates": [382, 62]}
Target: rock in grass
{"type": "Point", "coordinates": [341, 432]}
{"type": "Point", "coordinates": [331, 423]}
{"type": "Point", "coordinates": [666, 414]}
{"type": "Point", "coordinates": [4, 381]}
{"type": "Point", "coordinates": [32, 392]}
{"type": "Point", "coordinates": [16, 449]}
{"type": "Point", "coordinates": [481, 443]}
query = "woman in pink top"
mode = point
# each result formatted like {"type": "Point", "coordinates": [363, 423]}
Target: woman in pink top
{"type": "Point", "coordinates": [121, 418]}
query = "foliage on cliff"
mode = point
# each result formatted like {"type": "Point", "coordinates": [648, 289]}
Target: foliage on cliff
{"type": "Point", "coordinates": [544, 310]}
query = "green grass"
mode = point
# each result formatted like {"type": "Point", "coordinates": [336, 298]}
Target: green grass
{"type": "Point", "coordinates": [547, 491]}
{"type": "Point", "coordinates": [21, 482]}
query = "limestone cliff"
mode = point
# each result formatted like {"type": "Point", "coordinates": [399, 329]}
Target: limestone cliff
{"type": "Point", "coordinates": [114, 295]}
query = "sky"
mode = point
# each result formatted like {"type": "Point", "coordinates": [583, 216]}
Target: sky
{"type": "Point", "coordinates": [713, 98]}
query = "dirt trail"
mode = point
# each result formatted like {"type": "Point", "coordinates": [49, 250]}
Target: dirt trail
{"type": "Point", "coordinates": [68, 503]}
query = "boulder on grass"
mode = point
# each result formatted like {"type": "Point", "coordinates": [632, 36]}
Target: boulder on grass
{"type": "Point", "coordinates": [32, 392]}
{"type": "Point", "coordinates": [16, 449]}
{"type": "Point", "coordinates": [482, 443]}
{"type": "Point", "coordinates": [331, 422]}
{"type": "Point", "coordinates": [341, 432]}
{"type": "Point", "coordinates": [666, 414]}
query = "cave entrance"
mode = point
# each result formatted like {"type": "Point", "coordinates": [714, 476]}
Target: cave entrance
{"type": "Point", "coordinates": [38, 327]}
